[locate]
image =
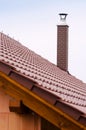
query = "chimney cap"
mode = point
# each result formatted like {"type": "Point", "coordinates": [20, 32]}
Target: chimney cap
{"type": "Point", "coordinates": [63, 17]}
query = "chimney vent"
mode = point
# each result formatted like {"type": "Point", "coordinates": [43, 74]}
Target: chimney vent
{"type": "Point", "coordinates": [63, 18]}
{"type": "Point", "coordinates": [62, 43]}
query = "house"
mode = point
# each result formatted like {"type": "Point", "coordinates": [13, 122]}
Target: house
{"type": "Point", "coordinates": [35, 94]}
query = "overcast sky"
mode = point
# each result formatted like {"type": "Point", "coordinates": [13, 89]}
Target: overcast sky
{"type": "Point", "coordinates": [33, 23]}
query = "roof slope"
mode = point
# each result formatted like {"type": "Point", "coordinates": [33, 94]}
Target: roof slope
{"type": "Point", "coordinates": [50, 78]}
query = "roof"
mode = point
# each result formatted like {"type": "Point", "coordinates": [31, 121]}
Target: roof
{"type": "Point", "coordinates": [56, 83]}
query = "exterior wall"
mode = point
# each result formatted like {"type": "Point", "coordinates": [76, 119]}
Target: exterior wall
{"type": "Point", "coordinates": [12, 121]}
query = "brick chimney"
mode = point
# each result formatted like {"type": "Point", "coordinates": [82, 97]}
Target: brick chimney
{"type": "Point", "coordinates": [62, 43]}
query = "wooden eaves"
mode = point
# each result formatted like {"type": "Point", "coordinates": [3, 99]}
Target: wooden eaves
{"type": "Point", "coordinates": [38, 105]}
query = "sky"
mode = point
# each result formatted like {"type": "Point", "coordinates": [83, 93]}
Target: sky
{"type": "Point", "coordinates": [34, 24]}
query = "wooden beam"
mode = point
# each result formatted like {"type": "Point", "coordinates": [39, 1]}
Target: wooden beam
{"type": "Point", "coordinates": [38, 105]}
{"type": "Point", "coordinates": [18, 107]}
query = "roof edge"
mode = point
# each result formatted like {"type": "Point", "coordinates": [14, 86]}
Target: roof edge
{"type": "Point", "coordinates": [52, 114]}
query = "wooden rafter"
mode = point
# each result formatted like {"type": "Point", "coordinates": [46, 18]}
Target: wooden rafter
{"type": "Point", "coordinates": [38, 105]}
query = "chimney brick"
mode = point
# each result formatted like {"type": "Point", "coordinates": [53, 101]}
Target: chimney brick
{"type": "Point", "coordinates": [62, 47]}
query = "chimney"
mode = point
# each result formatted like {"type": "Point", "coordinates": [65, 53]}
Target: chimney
{"type": "Point", "coordinates": [62, 43]}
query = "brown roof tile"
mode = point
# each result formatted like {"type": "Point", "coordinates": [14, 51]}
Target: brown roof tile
{"type": "Point", "coordinates": [47, 75]}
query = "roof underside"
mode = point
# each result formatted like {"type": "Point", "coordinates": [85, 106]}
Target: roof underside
{"type": "Point", "coordinates": [48, 76]}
